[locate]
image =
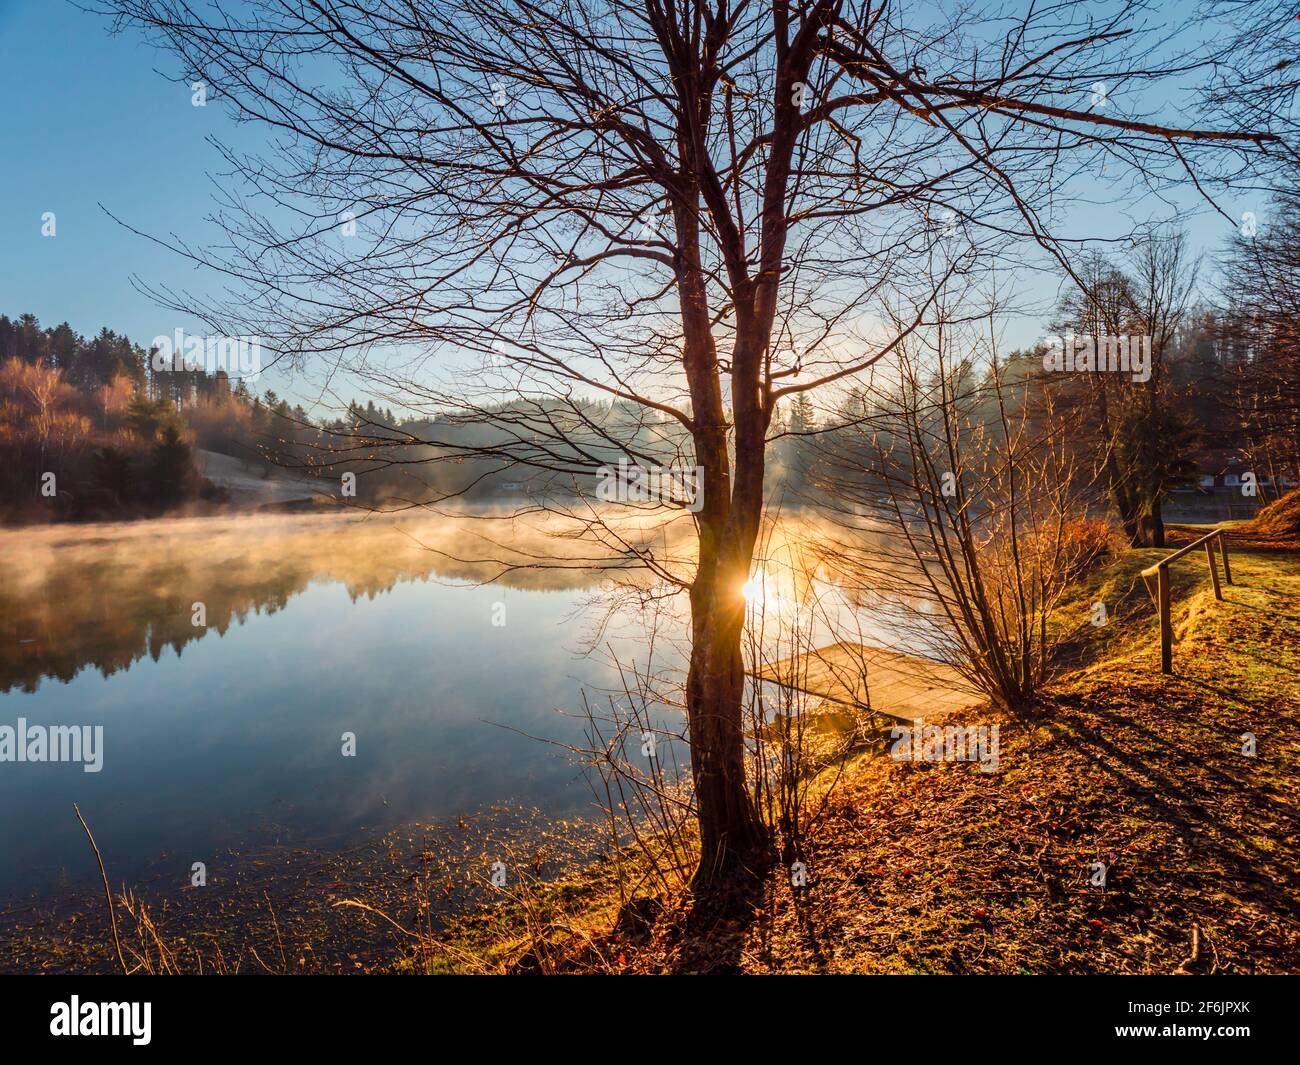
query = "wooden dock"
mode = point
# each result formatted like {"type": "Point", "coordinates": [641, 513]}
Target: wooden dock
{"type": "Point", "coordinates": [871, 678]}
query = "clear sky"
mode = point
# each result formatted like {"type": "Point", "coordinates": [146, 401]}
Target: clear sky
{"type": "Point", "coordinates": [89, 120]}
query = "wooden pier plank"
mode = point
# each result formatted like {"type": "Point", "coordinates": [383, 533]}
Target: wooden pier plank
{"type": "Point", "coordinates": [890, 682]}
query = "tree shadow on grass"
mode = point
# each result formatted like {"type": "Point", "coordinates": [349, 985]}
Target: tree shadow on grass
{"type": "Point", "coordinates": [1217, 810]}
{"type": "Point", "coordinates": [713, 933]}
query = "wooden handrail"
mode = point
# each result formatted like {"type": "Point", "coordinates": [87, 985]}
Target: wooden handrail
{"type": "Point", "coordinates": [1160, 571]}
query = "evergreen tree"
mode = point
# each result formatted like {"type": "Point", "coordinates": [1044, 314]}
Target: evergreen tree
{"type": "Point", "coordinates": [172, 469]}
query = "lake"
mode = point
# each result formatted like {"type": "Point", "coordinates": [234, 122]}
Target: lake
{"type": "Point", "coordinates": [229, 732]}
{"type": "Point", "coordinates": [230, 660]}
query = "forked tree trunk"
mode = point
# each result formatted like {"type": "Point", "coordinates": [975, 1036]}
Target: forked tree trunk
{"type": "Point", "coordinates": [732, 838]}
{"type": "Point", "coordinates": [733, 841]}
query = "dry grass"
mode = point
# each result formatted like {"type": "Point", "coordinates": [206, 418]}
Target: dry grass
{"type": "Point", "coordinates": [1277, 524]}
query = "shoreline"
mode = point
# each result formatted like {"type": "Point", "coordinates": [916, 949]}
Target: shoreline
{"type": "Point", "coordinates": [993, 869]}
{"type": "Point", "coordinates": [1092, 849]}
{"type": "Point", "coordinates": [301, 888]}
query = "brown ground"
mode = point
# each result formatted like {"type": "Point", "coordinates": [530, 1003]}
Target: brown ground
{"type": "Point", "coordinates": [1277, 524]}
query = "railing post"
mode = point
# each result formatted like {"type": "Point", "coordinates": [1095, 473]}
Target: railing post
{"type": "Point", "coordinates": [1223, 550]}
{"type": "Point", "coordinates": [1214, 570]}
{"type": "Point", "coordinates": [1161, 591]}
{"type": "Point", "coordinates": [1166, 624]}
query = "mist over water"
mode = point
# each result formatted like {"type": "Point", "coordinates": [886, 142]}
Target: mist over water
{"type": "Point", "coordinates": [220, 735]}
{"type": "Point", "coordinates": [105, 595]}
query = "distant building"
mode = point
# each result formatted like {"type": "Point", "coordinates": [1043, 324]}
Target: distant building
{"type": "Point", "coordinates": [1223, 488]}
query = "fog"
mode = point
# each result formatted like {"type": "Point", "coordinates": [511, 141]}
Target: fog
{"type": "Point", "coordinates": [106, 594]}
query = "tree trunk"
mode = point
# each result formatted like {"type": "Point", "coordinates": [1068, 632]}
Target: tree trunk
{"type": "Point", "coordinates": [1121, 492]}
{"type": "Point", "coordinates": [732, 839]}
{"type": "Point", "coordinates": [1151, 527]}
{"type": "Point", "coordinates": [1129, 519]}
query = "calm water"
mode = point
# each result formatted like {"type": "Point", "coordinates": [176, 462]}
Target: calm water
{"type": "Point", "coordinates": [219, 735]}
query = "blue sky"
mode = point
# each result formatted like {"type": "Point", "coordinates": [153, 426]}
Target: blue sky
{"type": "Point", "coordinates": [88, 119]}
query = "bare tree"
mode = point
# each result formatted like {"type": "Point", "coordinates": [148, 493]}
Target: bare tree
{"type": "Point", "coordinates": [1257, 337]}
{"type": "Point", "coordinates": [959, 500]}
{"type": "Point", "coordinates": [1137, 429]}
{"type": "Point", "coordinates": [1164, 277]}
{"type": "Point", "coordinates": [1255, 76]}
{"type": "Point", "coordinates": [686, 206]}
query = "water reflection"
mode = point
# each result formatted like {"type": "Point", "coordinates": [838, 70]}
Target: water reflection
{"type": "Point", "coordinates": [106, 596]}
{"type": "Point", "coordinates": [222, 736]}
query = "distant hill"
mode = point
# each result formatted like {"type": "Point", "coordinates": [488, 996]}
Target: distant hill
{"type": "Point", "coordinates": [247, 485]}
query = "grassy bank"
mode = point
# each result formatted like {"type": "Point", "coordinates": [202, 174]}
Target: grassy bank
{"type": "Point", "coordinates": [939, 868]}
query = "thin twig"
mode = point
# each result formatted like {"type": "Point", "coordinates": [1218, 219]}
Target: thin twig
{"type": "Point", "coordinates": [108, 894]}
